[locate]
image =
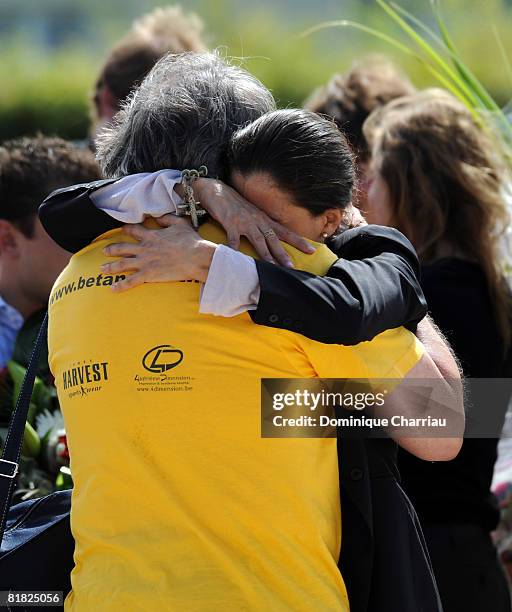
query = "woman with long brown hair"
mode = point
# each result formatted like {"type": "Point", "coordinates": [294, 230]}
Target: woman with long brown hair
{"type": "Point", "coordinates": [436, 176]}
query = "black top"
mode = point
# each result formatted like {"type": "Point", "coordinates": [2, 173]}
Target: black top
{"type": "Point", "coordinates": [459, 490]}
{"type": "Point", "coordinates": [372, 287]}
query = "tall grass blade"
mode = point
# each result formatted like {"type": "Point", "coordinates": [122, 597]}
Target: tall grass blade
{"type": "Point", "coordinates": [400, 46]}
{"type": "Point", "coordinates": [434, 57]}
{"type": "Point", "coordinates": [503, 53]}
{"type": "Point", "coordinates": [464, 72]}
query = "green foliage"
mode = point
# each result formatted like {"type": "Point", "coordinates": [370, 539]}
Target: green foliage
{"type": "Point", "coordinates": [437, 53]}
{"type": "Point", "coordinates": [48, 90]}
{"type": "Point", "coordinates": [48, 93]}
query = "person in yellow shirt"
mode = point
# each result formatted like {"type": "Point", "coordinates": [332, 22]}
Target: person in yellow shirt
{"type": "Point", "coordinates": [179, 503]}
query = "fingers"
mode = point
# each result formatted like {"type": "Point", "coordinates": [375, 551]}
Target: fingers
{"type": "Point", "coordinates": [122, 249]}
{"type": "Point", "coordinates": [121, 265]}
{"type": "Point", "coordinates": [277, 251]}
{"type": "Point", "coordinates": [352, 217]}
{"type": "Point", "coordinates": [165, 220]}
{"type": "Point", "coordinates": [136, 231]}
{"type": "Point", "coordinates": [134, 280]}
{"type": "Point", "coordinates": [233, 240]}
{"type": "Point", "coordinates": [170, 220]}
{"type": "Point", "coordinates": [258, 241]}
{"type": "Point", "coordinates": [293, 239]}
{"type": "Point", "coordinates": [268, 247]}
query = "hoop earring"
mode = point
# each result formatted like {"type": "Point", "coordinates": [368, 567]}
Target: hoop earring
{"type": "Point", "coordinates": [325, 235]}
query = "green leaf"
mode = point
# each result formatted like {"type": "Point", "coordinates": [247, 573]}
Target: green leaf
{"type": "Point", "coordinates": [458, 79]}
{"type": "Point", "coordinates": [503, 53]}
{"type": "Point", "coordinates": [398, 45]}
{"type": "Point", "coordinates": [31, 442]}
{"type": "Point", "coordinates": [434, 57]}
{"type": "Point", "coordinates": [488, 102]}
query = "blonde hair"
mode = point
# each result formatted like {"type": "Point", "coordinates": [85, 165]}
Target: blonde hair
{"type": "Point", "coordinates": [167, 30]}
{"type": "Point", "coordinates": [446, 180]}
{"type": "Point", "coordinates": [162, 31]}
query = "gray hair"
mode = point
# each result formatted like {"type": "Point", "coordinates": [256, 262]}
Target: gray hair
{"type": "Point", "coordinates": [182, 116]}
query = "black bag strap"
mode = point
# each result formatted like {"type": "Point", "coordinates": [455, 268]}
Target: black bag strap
{"type": "Point", "coordinates": [12, 448]}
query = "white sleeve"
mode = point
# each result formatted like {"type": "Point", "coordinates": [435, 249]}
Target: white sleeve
{"type": "Point", "coordinates": [232, 286]}
{"type": "Point", "coordinates": [133, 198]}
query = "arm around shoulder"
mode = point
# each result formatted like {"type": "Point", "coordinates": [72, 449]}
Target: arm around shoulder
{"type": "Point", "coordinates": [374, 286]}
{"type": "Point", "coordinates": [70, 217]}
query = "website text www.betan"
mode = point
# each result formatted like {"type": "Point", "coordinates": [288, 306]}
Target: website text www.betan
{"type": "Point", "coordinates": [85, 283]}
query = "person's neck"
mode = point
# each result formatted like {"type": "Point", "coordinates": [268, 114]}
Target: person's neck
{"type": "Point", "coordinates": [12, 294]}
{"type": "Point", "coordinates": [445, 250]}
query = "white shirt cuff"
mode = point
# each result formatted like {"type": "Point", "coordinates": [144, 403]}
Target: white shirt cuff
{"type": "Point", "coordinates": [134, 197]}
{"type": "Point", "coordinates": [232, 286]}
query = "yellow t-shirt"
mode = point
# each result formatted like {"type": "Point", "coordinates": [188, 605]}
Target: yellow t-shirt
{"type": "Point", "coordinates": [179, 504]}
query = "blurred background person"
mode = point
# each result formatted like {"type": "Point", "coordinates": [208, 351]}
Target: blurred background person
{"type": "Point", "coordinates": [162, 31]}
{"type": "Point", "coordinates": [30, 262]}
{"type": "Point", "coordinates": [350, 98]}
{"type": "Point", "coordinates": [436, 177]}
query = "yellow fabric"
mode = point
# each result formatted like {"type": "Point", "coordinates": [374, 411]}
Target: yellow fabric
{"type": "Point", "coordinates": [179, 504]}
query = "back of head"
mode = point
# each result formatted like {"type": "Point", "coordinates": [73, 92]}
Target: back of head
{"type": "Point", "coordinates": [442, 169]}
{"type": "Point", "coordinates": [30, 168]}
{"type": "Point", "coordinates": [445, 180]}
{"type": "Point", "coordinates": [350, 98]}
{"type": "Point", "coordinates": [162, 31]}
{"type": "Point", "coordinates": [182, 116]}
{"type": "Point", "coordinates": [305, 155]}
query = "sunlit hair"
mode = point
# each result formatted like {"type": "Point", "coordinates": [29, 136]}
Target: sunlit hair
{"type": "Point", "coordinates": [446, 182]}
{"type": "Point", "coordinates": [161, 31]}
{"type": "Point", "coordinates": [182, 116]}
{"type": "Point", "coordinates": [350, 97]}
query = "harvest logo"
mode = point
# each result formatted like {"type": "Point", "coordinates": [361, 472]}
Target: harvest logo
{"type": "Point", "coordinates": [162, 358]}
{"type": "Point", "coordinates": [85, 373]}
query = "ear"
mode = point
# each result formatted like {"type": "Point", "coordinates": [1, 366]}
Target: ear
{"type": "Point", "coordinates": [107, 104]}
{"type": "Point", "coordinates": [333, 218]}
{"type": "Point", "coordinates": [9, 239]}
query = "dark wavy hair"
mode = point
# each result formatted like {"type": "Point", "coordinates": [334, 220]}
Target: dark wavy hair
{"type": "Point", "coordinates": [30, 168]}
{"type": "Point", "coordinates": [306, 155]}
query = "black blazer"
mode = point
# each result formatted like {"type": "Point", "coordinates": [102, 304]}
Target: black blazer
{"type": "Point", "coordinates": [372, 287]}
{"type": "Point", "coordinates": [384, 560]}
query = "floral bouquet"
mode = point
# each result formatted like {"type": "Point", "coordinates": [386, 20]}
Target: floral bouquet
{"type": "Point", "coordinates": [44, 463]}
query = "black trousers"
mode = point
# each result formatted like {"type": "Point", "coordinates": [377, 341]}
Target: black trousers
{"type": "Point", "coordinates": [403, 578]}
{"type": "Point", "coordinates": [384, 558]}
{"type": "Point", "coordinates": [468, 573]}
